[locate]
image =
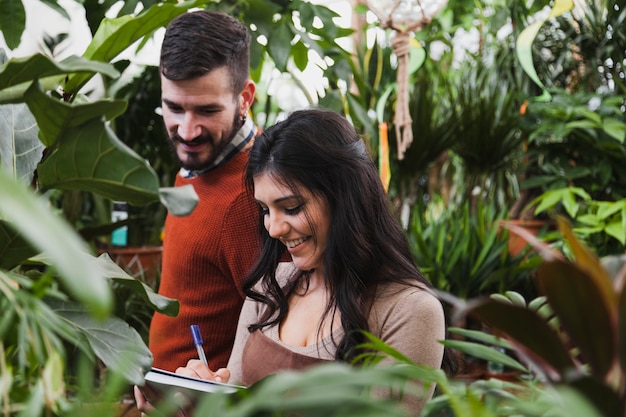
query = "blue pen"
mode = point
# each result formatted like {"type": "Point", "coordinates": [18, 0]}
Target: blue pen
{"type": "Point", "coordinates": [197, 340]}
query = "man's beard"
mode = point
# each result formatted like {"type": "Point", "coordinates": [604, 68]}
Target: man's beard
{"type": "Point", "coordinates": [193, 162]}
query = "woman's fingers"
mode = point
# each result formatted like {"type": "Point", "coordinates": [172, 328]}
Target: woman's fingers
{"type": "Point", "coordinates": [196, 369]}
{"type": "Point", "coordinates": [142, 403]}
{"type": "Point", "coordinates": [222, 375]}
{"type": "Point", "coordinates": [140, 399]}
{"type": "Point", "coordinates": [148, 410]}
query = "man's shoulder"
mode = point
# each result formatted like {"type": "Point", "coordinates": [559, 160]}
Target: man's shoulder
{"type": "Point", "coordinates": [236, 164]}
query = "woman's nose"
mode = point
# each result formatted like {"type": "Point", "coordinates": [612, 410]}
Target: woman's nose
{"type": "Point", "coordinates": [276, 226]}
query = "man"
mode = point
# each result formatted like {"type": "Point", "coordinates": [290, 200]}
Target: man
{"type": "Point", "coordinates": [206, 95]}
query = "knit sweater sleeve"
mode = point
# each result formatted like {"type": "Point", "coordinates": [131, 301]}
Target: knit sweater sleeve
{"type": "Point", "coordinates": [239, 246]}
{"type": "Point", "coordinates": [410, 320]}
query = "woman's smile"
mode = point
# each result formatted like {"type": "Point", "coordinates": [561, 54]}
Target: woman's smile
{"type": "Point", "coordinates": [292, 244]}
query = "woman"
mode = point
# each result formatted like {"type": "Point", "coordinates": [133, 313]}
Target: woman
{"type": "Point", "coordinates": [351, 269]}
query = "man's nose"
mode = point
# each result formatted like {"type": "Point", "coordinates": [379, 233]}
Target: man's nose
{"type": "Point", "coordinates": [189, 128]}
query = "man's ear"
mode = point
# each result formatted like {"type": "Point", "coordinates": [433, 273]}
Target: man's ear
{"type": "Point", "coordinates": [247, 96]}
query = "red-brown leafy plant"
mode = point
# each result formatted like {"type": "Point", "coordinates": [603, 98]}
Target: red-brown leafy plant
{"type": "Point", "coordinates": [583, 345]}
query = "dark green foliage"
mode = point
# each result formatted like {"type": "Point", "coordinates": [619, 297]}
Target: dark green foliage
{"type": "Point", "coordinates": [465, 252]}
{"type": "Point", "coordinates": [577, 140]}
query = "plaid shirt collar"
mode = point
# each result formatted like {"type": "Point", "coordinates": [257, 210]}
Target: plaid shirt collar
{"type": "Point", "coordinates": [241, 139]}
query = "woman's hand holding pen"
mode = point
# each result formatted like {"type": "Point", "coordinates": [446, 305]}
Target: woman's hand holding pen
{"type": "Point", "coordinates": [197, 369]}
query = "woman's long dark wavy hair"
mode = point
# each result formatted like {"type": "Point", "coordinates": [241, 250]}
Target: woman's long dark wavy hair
{"type": "Point", "coordinates": [320, 151]}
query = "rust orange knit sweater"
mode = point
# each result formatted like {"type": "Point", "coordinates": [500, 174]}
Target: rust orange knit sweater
{"type": "Point", "coordinates": [206, 256]}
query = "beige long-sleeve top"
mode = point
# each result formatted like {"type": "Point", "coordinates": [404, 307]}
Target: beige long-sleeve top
{"type": "Point", "coordinates": [409, 319]}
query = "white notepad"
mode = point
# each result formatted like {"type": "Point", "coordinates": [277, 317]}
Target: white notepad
{"type": "Point", "coordinates": [165, 382]}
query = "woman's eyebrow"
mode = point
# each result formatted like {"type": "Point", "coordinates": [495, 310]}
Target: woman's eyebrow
{"type": "Point", "coordinates": [281, 199]}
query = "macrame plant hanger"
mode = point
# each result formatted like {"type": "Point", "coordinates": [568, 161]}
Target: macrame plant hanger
{"type": "Point", "coordinates": [404, 17]}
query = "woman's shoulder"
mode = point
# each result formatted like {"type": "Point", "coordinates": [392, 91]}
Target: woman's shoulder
{"type": "Point", "coordinates": [403, 289]}
{"type": "Point", "coordinates": [395, 297]}
{"type": "Point", "coordinates": [402, 315]}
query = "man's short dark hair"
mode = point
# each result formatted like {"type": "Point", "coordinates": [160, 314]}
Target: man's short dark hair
{"type": "Point", "coordinates": [198, 42]}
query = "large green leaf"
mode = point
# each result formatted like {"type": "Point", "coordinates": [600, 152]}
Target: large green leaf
{"type": "Point", "coordinates": [50, 234]}
{"type": "Point", "coordinates": [481, 336]}
{"type": "Point", "coordinates": [13, 247]}
{"type": "Point", "coordinates": [309, 11]}
{"type": "Point", "coordinates": [488, 353]}
{"type": "Point", "coordinates": [614, 128]}
{"type": "Point", "coordinates": [111, 270]}
{"type": "Point", "coordinates": [179, 201]}
{"type": "Point", "coordinates": [279, 44]}
{"type": "Point", "coordinates": [523, 46]}
{"type": "Point", "coordinates": [92, 158]}
{"type": "Point", "coordinates": [300, 54]}
{"type": "Point", "coordinates": [263, 13]}
{"type": "Point", "coordinates": [20, 148]}
{"type": "Point", "coordinates": [617, 230]}
{"type": "Point", "coordinates": [19, 72]}
{"type": "Point", "coordinates": [116, 343]}
{"type": "Point", "coordinates": [54, 117]}
{"type": "Point", "coordinates": [582, 311]}
{"type": "Point", "coordinates": [115, 35]}
{"type": "Point", "coordinates": [12, 21]}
